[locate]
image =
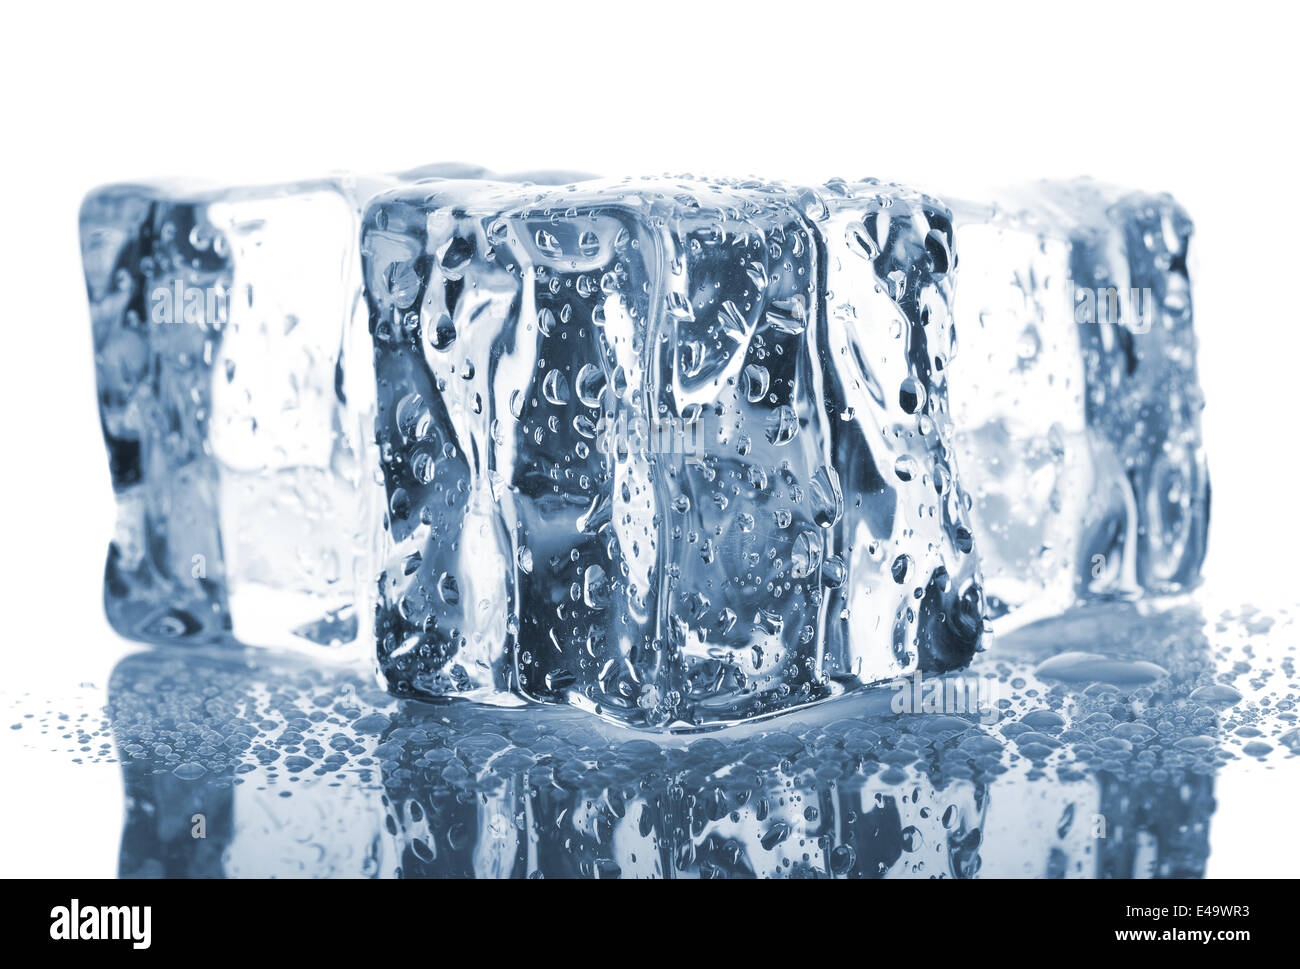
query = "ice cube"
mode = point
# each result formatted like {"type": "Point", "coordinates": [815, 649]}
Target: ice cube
{"type": "Point", "coordinates": [669, 450]}
{"type": "Point", "coordinates": [237, 400]}
{"type": "Point", "coordinates": [235, 395]}
{"type": "Point", "coordinates": [1075, 397]}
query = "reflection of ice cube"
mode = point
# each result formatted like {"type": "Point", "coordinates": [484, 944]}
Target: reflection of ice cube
{"type": "Point", "coordinates": [242, 771]}
{"type": "Point", "coordinates": [1041, 830]}
{"type": "Point", "coordinates": [296, 771]}
{"type": "Point", "coordinates": [1075, 396]}
{"type": "Point", "coordinates": [1098, 826]}
{"type": "Point", "coordinates": [567, 801]}
{"type": "Point", "coordinates": [324, 830]}
{"type": "Point", "coordinates": [671, 451]}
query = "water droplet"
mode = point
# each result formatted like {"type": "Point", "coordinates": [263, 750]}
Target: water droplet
{"type": "Point", "coordinates": [825, 497]}
{"type": "Point", "coordinates": [782, 425]}
{"type": "Point", "coordinates": [590, 385]}
{"type": "Point", "coordinates": [901, 568]}
{"type": "Point", "coordinates": [842, 859]}
{"type": "Point", "coordinates": [545, 321]}
{"type": "Point", "coordinates": [455, 255]}
{"type": "Point", "coordinates": [555, 388]}
{"type": "Point", "coordinates": [547, 243]}
{"type": "Point", "coordinates": [1078, 667]}
{"type": "Point", "coordinates": [757, 380]}
{"type": "Point", "coordinates": [1216, 694]}
{"type": "Point", "coordinates": [595, 588]}
{"type": "Point", "coordinates": [911, 395]}
{"type": "Point", "coordinates": [414, 421]}
{"type": "Point", "coordinates": [448, 590]}
{"type": "Point", "coordinates": [444, 332]}
{"type": "Point", "coordinates": [422, 466]}
{"type": "Point", "coordinates": [806, 555]}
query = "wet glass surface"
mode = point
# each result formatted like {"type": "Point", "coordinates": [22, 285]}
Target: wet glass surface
{"type": "Point", "coordinates": [1090, 746]}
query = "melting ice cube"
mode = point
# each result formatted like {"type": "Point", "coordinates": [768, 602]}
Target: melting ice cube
{"type": "Point", "coordinates": [236, 394]}
{"type": "Point", "coordinates": [1075, 396]}
{"type": "Point", "coordinates": [671, 450]}
{"type": "Point", "coordinates": [678, 452]}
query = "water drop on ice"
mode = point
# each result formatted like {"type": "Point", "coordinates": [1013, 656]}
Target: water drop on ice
{"type": "Point", "coordinates": [911, 395]}
{"type": "Point", "coordinates": [901, 568]}
{"type": "Point", "coordinates": [756, 379]}
{"type": "Point", "coordinates": [555, 388]}
{"type": "Point", "coordinates": [595, 588]}
{"type": "Point", "coordinates": [590, 385]}
{"type": "Point", "coordinates": [782, 425]}
{"type": "Point", "coordinates": [413, 417]}
{"type": "Point", "coordinates": [448, 589]}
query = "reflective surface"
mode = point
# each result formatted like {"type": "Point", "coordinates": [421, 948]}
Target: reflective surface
{"type": "Point", "coordinates": [1090, 746]}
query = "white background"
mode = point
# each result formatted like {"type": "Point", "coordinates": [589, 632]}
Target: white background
{"type": "Point", "coordinates": [1195, 100]}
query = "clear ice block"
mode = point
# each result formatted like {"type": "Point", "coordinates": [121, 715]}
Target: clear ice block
{"type": "Point", "coordinates": [679, 452]}
{"type": "Point", "coordinates": [236, 395]}
{"type": "Point", "coordinates": [672, 451]}
{"type": "Point", "coordinates": [1075, 399]}
{"type": "Point", "coordinates": [235, 392]}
